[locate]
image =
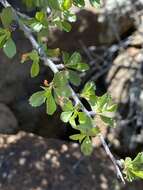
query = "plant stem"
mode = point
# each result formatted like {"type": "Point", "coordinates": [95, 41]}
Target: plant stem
{"type": "Point", "coordinates": [48, 62]}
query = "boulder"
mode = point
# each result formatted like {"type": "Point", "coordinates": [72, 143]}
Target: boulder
{"type": "Point", "coordinates": [99, 26]}
{"type": "Point", "coordinates": [125, 80]}
{"type": "Point", "coordinates": [8, 121]}
{"type": "Point", "coordinates": [16, 86]}
{"type": "Point", "coordinates": [29, 162]}
{"type": "Point", "coordinates": [124, 67]}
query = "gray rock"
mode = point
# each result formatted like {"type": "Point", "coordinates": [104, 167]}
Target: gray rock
{"type": "Point", "coordinates": [125, 86]}
{"type": "Point", "coordinates": [96, 27]}
{"type": "Point", "coordinates": [8, 122]}
{"type": "Point", "coordinates": [16, 86]}
{"type": "Point", "coordinates": [29, 162]}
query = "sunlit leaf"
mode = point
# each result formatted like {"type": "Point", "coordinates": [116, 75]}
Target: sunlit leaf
{"type": "Point", "coordinates": [65, 116]}
{"type": "Point", "coordinates": [35, 69]}
{"type": "Point", "coordinates": [37, 99]}
{"type": "Point", "coordinates": [86, 147]}
{"type": "Point", "coordinates": [50, 102]}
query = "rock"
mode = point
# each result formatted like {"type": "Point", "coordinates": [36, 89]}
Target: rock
{"type": "Point", "coordinates": [15, 81]}
{"type": "Point", "coordinates": [125, 82]}
{"type": "Point", "coordinates": [8, 122]}
{"type": "Point", "coordinates": [29, 162]}
{"type": "Point", "coordinates": [37, 121]}
{"type": "Point", "coordinates": [124, 66]}
{"type": "Point", "coordinates": [137, 38]}
{"type": "Point", "coordinates": [16, 86]}
{"type": "Point", "coordinates": [122, 73]}
{"type": "Point", "coordinates": [96, 27]}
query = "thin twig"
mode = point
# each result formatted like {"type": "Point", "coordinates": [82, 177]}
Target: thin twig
{"type": "Point", "coordinates": [48, 62]}
{"type": "Point", "coordinates": [119, 174]}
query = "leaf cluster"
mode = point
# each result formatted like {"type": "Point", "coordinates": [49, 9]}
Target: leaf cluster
{"type": "Point", "coordinates": [133, 169]}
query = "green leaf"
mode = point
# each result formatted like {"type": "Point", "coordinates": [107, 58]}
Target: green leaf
{"type": "Point", "coordinates": [74, 77]}
{"type": "Point", "coordinates": [50, 102]}
{"type": "Point", "coordinates": [9, 48]}
{"type": "Point", "coordinates": [103, 102]}
{"type": "Point", "coordinates": [82, 117]}
{"type": "Point", "coordinates": [40, 3]}
{"type": "Point", "coordinates": [112, 108]}
{"type": "Point", "coordinates": [28, 3]}
{"type": "Point", "coordinates": [75, 58]}
{"type": "Point", "coordinates": [86, 147]}
{"type": "Point", "coordinates": [65, 57]}
{"type": "Point", "coordinates": [82, 67]}
{"type": "Point", "coordinates": [4, 36]}
{"type": "Point", "coordinates": [63, 25]}
{"type": "Point", "coordinates": [109, 121]}
{"type": "Point", "coordinates": [95, 2]}
{"type": "Point", "coordinates": [133, 169]}
{"type": "Point", "coordinates": [63, 91]}
{"type": "Point", "coordinates": [36, 26]}
{"type": "Point", "coordinates": [7, 16]}
{"type": "Point", "coordinates": [68, 106]}
{"type": "Point", "coordinates": [60, 79]}
{"type": "Point", "coordinates": [94, 131]}
{"type": "Point", "coordinates": [65, 116]}
{"type": "Point", "coordinates": [89, 93]}
{"type": "Point", "coordinates": [79, 66]}
{"type": "Point", "coordinates": [88, 90]}
{"type": "Point", "coordinates": [79, 3]}
{"type": "Point", "coordinates": [85, 127]}
{"type": "Point", "coordinates": [70, 16]}
{"type": "Point", "coordinates": [32, 4]}
{"type": "Point", "coordinates": [67, 4]}
{"type": "Point", "coordinates": [35, 69]}
{"type": "Point", "coordinates": [105, 109]}
{"type": "Point", "coordinates": [73, 118]}
{"type": "Point", "coordinates": [75, 62]}
{"type": "Point", "coordinates": [37, 99]}
{"type": "Point", "coordinates": [34, 56]}
{"type": "Point", "coordinates": [85, 123]}
{"type": "Point", "coordinates": [138, 161]}
{"type": "Point", "coordinates": [77, 137]}
{"type": "Point", "coordinates": [104, 106]}
{"type": "Point", "coordinates": [66, 26]}
{"type": "Point", "coordinates": [42, 34]}
{"type": "Point", "coordinates": [138, 174]}
{"type": "Point", "coordinates": [40, 16]}
{"type": "Point", "coordinates": [55, 4]}
{"type": "Point", "coordinates": [53, 52]}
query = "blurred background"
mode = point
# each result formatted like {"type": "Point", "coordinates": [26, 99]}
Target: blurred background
{"type": "Point", "coordinates": [35, 151]}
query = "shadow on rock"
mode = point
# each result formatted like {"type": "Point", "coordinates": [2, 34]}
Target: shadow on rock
{"type": "Point", "coordinates": [34, 163]}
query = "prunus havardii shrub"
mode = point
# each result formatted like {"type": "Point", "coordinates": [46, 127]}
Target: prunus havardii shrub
{"type": "Point", "coordinates": [59, 91]}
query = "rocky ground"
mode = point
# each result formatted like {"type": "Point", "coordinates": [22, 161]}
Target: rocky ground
{"type": "Point", "coordinates": [29, 162]}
